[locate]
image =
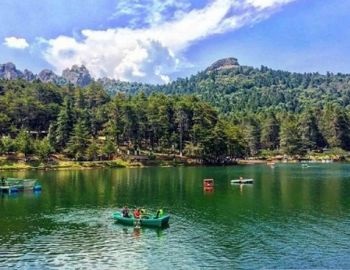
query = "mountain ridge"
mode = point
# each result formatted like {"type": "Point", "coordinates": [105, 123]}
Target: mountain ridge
{"type": "Point", "coordinates": [225, 84]}
{"type": "Point", "coordinates": [80, 75]}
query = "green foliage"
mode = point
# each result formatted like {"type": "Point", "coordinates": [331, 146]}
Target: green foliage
{"type": "Point", "coordinates": [43, 149]}
{"type": "Point", "coordinates": [108, 148]}
{"type": "Point", "coordinates": [213, 116]}
{"type": "Point", "coordinates": [290, 138]}
{"type": "Point", "coordinates": [64, 125]}
{"type": "Point", "coordinates": [23, 142]}
{"type": "Point", "coordinates": [7, 145]}
{"type": "Point", "coordinates": [78, 141]}
{"type": "Point", "coordinates": [92, 151]}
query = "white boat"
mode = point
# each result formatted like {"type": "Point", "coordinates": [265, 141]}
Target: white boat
{"type": "Point", "coordinates": [20, 183]}
{"type": "Point", "coordinates": [305, 165]}
{"type": "Point", "coordinates": [28, 183]}
{"type": "Point", "coordinates": [242, 181]}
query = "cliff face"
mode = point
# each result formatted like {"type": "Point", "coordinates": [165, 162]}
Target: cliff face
{"type": "Point", "coordinates": [47, 76]}
{"type": "Point", "coordinates": [8, 71]}
{"type": "Point", "coordinates": [226, 63]}
{"type": "Point", "coordinates": [77, 75]}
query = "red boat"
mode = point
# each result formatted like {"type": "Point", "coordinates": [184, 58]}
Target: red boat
{"type": "Point", "coordinates": [208, 183]}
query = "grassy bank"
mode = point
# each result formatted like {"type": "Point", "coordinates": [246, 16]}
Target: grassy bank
{"type": "Point", "coordinates": [63, 165]}
{"type": "Point", "coordinates": [58, 162]}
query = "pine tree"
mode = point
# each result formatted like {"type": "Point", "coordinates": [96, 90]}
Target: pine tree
{"type": "Point", "coordinates": [43, 149]}
{"type": "Point", "coordinates": [290, 142]}
{"type": "Point", "coordinates": [108, 148]}
{"type": "Point", "coordinates": [78, 141]}
{"type": "Point", "coordinates": [23, 142]}
{"type": "Point", "coordinates": [311, 137]}
{"type": "Point", "coordinates": [64, 125]}
{"type": "Point", "coordinates": [92, 150]}
{"type": "Point", "coordinates": [270, 132]}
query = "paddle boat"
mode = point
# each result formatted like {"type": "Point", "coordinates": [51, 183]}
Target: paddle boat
{"type": "Point", "coordinates": [145, 220]}
{"type": "Point", "coordinates": [208, 183]}
{"type": "Point", "coordinates": [242, 181]}
{"type": "Point", "coordinates": [11, 185]}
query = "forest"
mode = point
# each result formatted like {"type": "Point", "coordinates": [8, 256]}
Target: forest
{"type": "Point", "coordinates": [213, 116]}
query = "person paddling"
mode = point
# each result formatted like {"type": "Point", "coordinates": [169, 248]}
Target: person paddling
{"type": "Point", "coordinates": [137, 213]}
{"type": "Point", "coordinates": [159, 213]}
{"type": "Point", "coordinates": [125, 212]}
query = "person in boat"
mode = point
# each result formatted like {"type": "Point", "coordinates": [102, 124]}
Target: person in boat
{"type": "Point", "coordinates": [137, 213]}
{"type": "Point", "coordinates": [125, 212]}
{"type": "Point", "coordinates": [240, 179]}
{"type": "Point", "coordinates": [159, 213]}
{"type": "Point", "coordinates": [2, 181]}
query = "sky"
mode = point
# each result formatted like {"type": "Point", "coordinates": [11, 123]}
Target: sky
{"type": "Point", "coordinates": [156, 41]}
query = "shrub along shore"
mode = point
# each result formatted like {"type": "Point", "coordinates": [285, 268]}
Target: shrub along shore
{"type": "Point", "coordinates": [59, 162]}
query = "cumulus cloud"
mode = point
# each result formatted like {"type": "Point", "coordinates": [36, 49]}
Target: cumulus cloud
{"type": "Point", "coordinates": [151, 52]}
{"type": "Point", "coordinates": [16, 43]}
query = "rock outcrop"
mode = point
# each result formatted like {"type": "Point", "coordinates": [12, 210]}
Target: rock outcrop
{"type": "Point", "coordinates": [8, 71]}
{"type": "Point", "coordinates": [77, 76]}
{"type": "Point", "coordinates": [48, 76]}
{"type": "Point", "coordinates": [28, 75]}
{"type": "Point", "coordinates": [226, 63]}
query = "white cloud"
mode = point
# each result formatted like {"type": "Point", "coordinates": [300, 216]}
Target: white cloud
{"type": "Point", "coordinates": [16, 43]}
{"type": "Point", "coordinates": [150, 12]}
{"type": "Point", "coordinates": [152, 52]}
{"type": "Point", "coordinates": [266, 3]}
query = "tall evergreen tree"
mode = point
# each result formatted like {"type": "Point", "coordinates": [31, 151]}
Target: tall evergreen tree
{"type": "Point", "coordinates": [43, 149]}
{"type": "Point", "coordinates": [252, 133]}
{"type": "Point", "coordinates": [78, 141]}
{"type": "Point", "coordinates": [270, 132]}
{"type": "Point", "coordinates": [24, 142]}
{"type": "Point", "coordinates": [64, 124]}
{"type": "Point", "coordinates": [311, 136]}
{"type": "Point", "coordinates": [290, 142]}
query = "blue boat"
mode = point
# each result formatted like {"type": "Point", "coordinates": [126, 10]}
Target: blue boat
{"type": "Point", "coordinates": [11, 185]}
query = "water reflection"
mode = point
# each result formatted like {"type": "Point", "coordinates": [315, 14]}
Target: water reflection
{"type": "Point", "coordinates": [208, 190]}
{"type": "Point", "coordinates": [290, 217]}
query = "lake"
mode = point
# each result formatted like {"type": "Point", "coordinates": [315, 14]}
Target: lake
{"type": "Point", "coordinates": [291, 217]}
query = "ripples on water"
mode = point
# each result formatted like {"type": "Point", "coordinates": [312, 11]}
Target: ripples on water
{"type": "Point", "coordinates": [276, 223]}
{"type": "Point", "coordinates": [91, 239]}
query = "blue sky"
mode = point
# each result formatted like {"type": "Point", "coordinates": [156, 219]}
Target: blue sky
{"type": "Point", "coordinates": [158, 40]}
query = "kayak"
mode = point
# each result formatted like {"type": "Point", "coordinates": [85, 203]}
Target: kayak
{"type": "Point", "coordinates": [145, 220]}
{"type": "Point", "coordinates": [242, 181]}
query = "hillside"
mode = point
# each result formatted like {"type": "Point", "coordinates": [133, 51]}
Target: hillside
{"type": "Point", "coordinates": [252, 111]}
{"type": "Point", "coordinates": [234, 88]}
{"type": "Point", "coordinates": [227, 85]}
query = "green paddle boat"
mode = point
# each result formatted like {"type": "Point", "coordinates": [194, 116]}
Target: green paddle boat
{"type": "Point", "coordinates": [145, 220]}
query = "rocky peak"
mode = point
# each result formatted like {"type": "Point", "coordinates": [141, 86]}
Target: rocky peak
{"type": "Point", "coordinates": [8, 71]}
{"type": "Point", "coordinates": [47, 76]}
{"type": "Point", "coordinates": [28, 75]}
{"type": "Point", "coordinates": [226, 63]}
{"type": "Point", "coordinates": [77, 75]}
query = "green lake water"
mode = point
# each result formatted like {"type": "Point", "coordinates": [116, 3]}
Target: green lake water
{"type": "Point", "coordinates": [291, 217]}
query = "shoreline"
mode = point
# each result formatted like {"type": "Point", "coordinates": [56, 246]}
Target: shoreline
{"type": "Point", "coordinates": [21, 165]}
